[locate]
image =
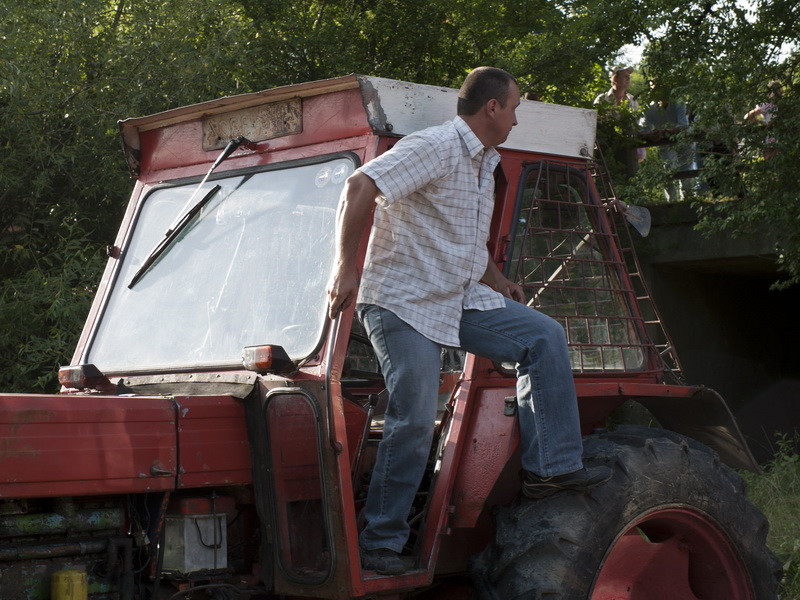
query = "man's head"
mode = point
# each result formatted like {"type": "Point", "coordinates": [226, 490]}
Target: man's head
{"type": "Point", "coordinates": [480, 86]}
{"type": "Point", "coordinates": [620, 77]}
{"type": "Point", "coordinates": [487, 101]}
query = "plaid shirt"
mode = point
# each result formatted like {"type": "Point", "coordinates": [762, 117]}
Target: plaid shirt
{"type": "Point", "coordinates": [427, 249]}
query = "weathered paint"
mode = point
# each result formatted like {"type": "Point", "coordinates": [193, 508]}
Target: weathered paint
{"type": "Point", "coordinates": [214, 448]}
{"type": "Point", "coordinates": [64, 445]}
{"type": "Point", "coordinates": [93, 444]}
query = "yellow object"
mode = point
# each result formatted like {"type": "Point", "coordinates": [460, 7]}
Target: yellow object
{"type": "Point", "coordinates": [69, 584]}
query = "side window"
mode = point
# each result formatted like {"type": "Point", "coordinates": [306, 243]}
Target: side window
{"type": "Point", "coordinates": [562, 256]}
{"type": "Point", "coordinates": [360, 361]}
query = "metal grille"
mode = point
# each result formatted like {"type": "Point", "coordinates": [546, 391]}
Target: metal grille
{"type": "Point", "coordinates": [654, 327]}
{"type": "Point", "coordinates": [566, 253]}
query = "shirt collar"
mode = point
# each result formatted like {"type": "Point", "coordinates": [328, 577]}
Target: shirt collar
{"type": "Point", "coordinates": [471, 141]}
{"type": "Point", "coordinates": [611, 98]}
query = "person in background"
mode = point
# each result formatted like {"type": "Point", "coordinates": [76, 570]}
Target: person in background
{"type": "Point", "coordinates": [618, 96]}
{"type": "Point", "coordinates": [766, 112]}
{"type": "Point", "coordinates": [666, 114]}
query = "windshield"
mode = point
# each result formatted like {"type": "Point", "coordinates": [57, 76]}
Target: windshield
{"type": "Point", "coordinates": [249, 269]}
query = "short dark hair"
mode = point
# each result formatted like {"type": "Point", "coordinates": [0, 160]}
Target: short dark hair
{"type": "Point", "coordinates": [481, 85]}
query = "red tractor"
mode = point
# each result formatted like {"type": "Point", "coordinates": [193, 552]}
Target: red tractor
{"type": "Point", "coordinates": [215, 433]}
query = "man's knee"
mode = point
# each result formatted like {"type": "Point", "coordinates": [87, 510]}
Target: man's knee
{"type": "Point", "coordinates": [556, 331]}
{"type": "Point", "coordinates": [547, 329]}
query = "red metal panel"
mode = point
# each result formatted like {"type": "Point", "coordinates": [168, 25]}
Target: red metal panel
{"type": "Point", "coordinates": [326, 118]}
{"type": "Point", "coordinates": [214, 448]}
{"type": "Point", "coordinates": [492, 439]}
{"type": "Point", "coordinates": [631, 389]}
{"type": "Point", "coordinates": [85, 445]}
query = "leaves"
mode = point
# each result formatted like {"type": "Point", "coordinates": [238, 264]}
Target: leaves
{"type": "Point", "coordinates": [42, 308]}
{"type": "Point", "coordinates": [69, 69]}
{"type": "Point", "coordinates": [777, 493]}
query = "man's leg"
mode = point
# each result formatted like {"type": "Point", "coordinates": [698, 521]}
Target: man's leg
{"type": "Point", "coordinates": [410, 363]}
{"type": "Point", "coordinates": [551, 445]}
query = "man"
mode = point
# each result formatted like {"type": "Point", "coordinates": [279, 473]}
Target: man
{"type": "Point", "coordinates": [620, 82]}
{"type": "Point", "coordinates": [666, 114]}
{"type": "Point", "coordinates": [765, 113]}
{"type": "Point", "coordinates": [421, 290]}
{"type": "Point", "coordinates": [615, 97]}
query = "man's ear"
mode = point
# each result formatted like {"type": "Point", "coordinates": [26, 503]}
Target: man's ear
{"type": "Point", "coordinates": [491, 107]}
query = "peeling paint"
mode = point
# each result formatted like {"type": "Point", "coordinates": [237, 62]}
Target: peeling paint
{"type": "Point", "coordinates": [8, 451]}
{"type": "Point", "coordinates": [25, 417]}
{"type": "Point", "coordinates": [372, 105]}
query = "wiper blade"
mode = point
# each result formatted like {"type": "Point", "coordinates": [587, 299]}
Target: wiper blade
{"type": "Point", "coordinates": [185, 216]}
{"type": "Point", "coordinates": [172, 234]}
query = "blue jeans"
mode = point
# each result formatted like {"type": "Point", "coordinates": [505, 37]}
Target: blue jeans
{"type": "Point", "coordinates": [548, 413]}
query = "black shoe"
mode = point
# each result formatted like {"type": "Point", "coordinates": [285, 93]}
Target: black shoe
{"type": "Point", "coordinates": [383, 561]}
{"type": "Point", "coordinates": [535, 487]}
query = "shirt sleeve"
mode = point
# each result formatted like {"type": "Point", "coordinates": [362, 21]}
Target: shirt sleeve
{"type": "Point", "coordinates": [413, 163]}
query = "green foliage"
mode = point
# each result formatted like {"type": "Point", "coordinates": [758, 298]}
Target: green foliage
{"type": "Point", "coordinates": [70, 68]}
{"type": "Point", "coordinates": [718, 57]}
{"type": "Point", "coordinates": [552, 47]}
{"type": "Point", "coordinates": [761, 176]}
{"type": "Point", "coordinates": [777, 493]}
{"type": "Point", "coordinates": [651, 180]}
{"type": "Point", "coordinates": [617, 127]}
{"type": "Point", "coordinates": [44, 303]}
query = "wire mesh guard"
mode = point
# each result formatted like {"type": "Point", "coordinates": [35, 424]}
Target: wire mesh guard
{"type": "Point", "coordinates": [568, 256]}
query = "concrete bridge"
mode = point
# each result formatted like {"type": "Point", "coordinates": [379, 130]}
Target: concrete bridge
{"type": "Point", "coordinates": [731, 331]}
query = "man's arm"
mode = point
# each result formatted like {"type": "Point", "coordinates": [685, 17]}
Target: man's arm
{"type": "Point", "coordinates": [755, 113]}
{"type": "Point", "coordinates": [495, 279]}
{"type": "Point", "coordinates": [352, 216]}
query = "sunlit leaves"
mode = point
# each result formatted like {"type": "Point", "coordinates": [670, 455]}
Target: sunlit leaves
{"type": "Point", "coordinates": [69, 69]}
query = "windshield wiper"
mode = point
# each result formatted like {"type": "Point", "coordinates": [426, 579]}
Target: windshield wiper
{"type": "Point", "coordinates": [184, 216]}
{"type": "Point", "coordinates": [171, 235]}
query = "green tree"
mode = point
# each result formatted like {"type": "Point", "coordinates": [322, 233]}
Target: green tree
{"type": "Point", "coordinates": [70, 68]}
{"type": "Point", "coordinates": [719, 57]}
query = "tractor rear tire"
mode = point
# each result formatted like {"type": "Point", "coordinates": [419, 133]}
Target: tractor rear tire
{"type": "Point", "coordinates": [673, 523]}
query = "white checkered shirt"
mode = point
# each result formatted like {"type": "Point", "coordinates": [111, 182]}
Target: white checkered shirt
{"type": "Point", "coordinates": [427, 249]}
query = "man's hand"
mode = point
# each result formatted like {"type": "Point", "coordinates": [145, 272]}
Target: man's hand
{"type": "Point", "coordinates": [342, 289]}
{"type": "Point", "coordinates": [512, 290]}
{"type": "Point", "coordinates": [499, 282]}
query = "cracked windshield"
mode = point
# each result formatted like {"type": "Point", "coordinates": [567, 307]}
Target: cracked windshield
{"type": "Point", "coordinates": [249, 269]}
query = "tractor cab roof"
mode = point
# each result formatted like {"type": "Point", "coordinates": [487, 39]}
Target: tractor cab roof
{"type": "Point", "coordinates": [387, 107]}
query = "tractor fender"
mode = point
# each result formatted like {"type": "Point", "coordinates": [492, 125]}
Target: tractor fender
{"type": "Point", "coordinates": [702, 414]}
